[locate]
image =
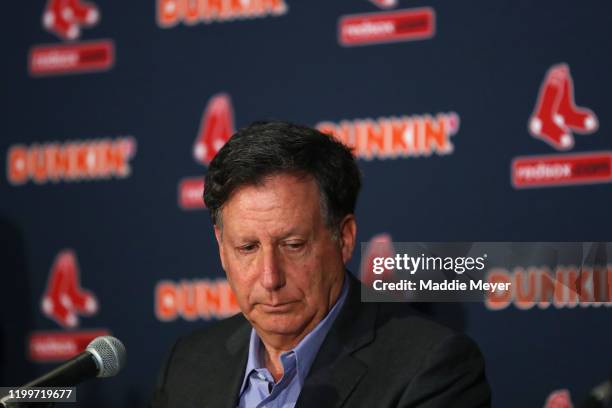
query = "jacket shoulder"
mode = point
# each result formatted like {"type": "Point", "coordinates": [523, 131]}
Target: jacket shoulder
{"type": "Point", "coordinates": [402, 324]}
{"type": "Point", "coordinates": [204, 365]}
{"type": "Point", "coordinates": [214, 334]}
{"type": "Point", "coordinates": [422, 362]}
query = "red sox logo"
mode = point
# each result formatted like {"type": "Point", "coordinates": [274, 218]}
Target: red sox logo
{"type": "Point", "coordinates": [555, 120]}
{"type": "Point", "coordinates": [63, 301]}
{"type": "Point", "coordinates": [385, 4]}
{"type": "Point", "coordinates": [380, 245]}
{"type": "Point", "coordinates": [216, 127]}
{"type": "Point", "coordinates": [556, 114]}
{"type": "Point", "coordinates": [64, 297]}
{"type": "Point", "coordinates": [559, 399]}
{"type": "Point", "coordinates": [65, 17]}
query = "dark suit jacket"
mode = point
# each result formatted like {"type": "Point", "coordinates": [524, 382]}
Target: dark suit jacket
{"type": "Point", "coordinates": [375, 355]}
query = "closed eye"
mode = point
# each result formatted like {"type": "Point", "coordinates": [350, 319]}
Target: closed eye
{"type": "Point", "coordinates": [294, 246]}
{"type": "Point", "coordinates": [248, 248]}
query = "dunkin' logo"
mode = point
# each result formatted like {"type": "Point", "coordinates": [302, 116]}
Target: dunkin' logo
{"type": "Point", "coordinates": [63, 301]}
{"type": "Point", "coordinates": [172, 12]}
{"type": "Point", "coordinates": [216, 128]}
{"type": "Point", "coordinates": [390, 26]}
{"type": "Point", "coordinates": [43, 163]}
{"type": "Point", "coordinates": [555, 120]}
{"type": "Point", "coordinates": [394, 137]}
{"type": "Point", "coordinates": [563, 287]}
{"type": "Point", "coordinates": [66, 19]}
{"type": "Point", "coordinates": [197, 299]}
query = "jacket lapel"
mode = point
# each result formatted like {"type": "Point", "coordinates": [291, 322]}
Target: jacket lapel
{"type": "Point", "coordinates": [237, 347]}
{"type": "Point", "coordinates": [223, 386]}
{"type": "Point", "coordinates": [335, 372]}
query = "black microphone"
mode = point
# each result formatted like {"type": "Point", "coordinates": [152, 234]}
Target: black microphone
{"type": "Point", "coordinates": [104, 357]}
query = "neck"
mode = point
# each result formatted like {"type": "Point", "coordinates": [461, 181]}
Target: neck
{"type": "Point", "coordinates": [273, 363]}
{"type": "Point", "coordinates": [276, 344]}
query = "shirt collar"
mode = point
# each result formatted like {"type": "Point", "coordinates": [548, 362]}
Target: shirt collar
{"type": "Point", "coordinates": [305, 351]}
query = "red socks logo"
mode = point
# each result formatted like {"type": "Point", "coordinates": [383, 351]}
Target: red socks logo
{"type": "Point", "coordinates": [385, 4]}
{"type": "Point", "coordinates": [559, 399]}
{"type": "Point", "coordinates": [556, 113]}
{"type": "Point", "coordinates": [64, 17]}
{"type": "Point", "coordinates": [379, 246]}
{"type": "Point", "coordinates": [64, 296]}
{"type": "Point", "coordinates": [216, 128]}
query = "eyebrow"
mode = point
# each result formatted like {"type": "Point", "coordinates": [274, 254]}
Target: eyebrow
{"type": "Point", "coordinates": [249, 239]}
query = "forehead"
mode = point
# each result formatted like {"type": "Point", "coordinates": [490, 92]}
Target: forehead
{"type": "Point", "coordinates": [278, 200]}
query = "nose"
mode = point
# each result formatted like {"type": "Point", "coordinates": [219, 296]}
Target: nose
{"type": "Point", "coordinates": [272, 275]}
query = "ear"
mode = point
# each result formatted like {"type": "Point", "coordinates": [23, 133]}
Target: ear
{"type": "Point", "coordinates": [348, 235]}
{"type": "Point", "coordinates": [219, 237]}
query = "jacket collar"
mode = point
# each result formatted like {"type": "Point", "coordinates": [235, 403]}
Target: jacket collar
{"type": "Point", "coordinates": [335, 371]}
{"type": "Point", "coordinates": [237, 346]}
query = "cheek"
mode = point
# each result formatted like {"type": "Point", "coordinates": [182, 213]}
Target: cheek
{"type": "Point", "coordinates": [242, 283]}
{"type": "Point", "coordinates": [308, 278]}
{"type": "Point", "coordinates": [324, 272]}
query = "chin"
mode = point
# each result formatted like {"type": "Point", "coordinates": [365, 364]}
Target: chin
{"type": "Point", "coordinates": [281, 324]}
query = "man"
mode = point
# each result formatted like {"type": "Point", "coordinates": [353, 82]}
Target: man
{"type": "Point", "coordinates": [282, 200]}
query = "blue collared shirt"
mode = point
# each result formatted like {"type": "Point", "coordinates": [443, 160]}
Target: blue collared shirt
{"type": "Point", "coordinates": [258, 387]}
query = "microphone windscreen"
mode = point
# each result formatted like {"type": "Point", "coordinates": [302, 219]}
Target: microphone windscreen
{"type": "Point", "coordinates": [109, 353]}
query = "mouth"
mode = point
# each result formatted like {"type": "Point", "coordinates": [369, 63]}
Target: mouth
{"type": "Point", "coordinates": [276, 307]}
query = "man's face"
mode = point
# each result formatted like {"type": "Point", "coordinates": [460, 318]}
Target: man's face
{"type": "Point", "coordinates": [280, 257]}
